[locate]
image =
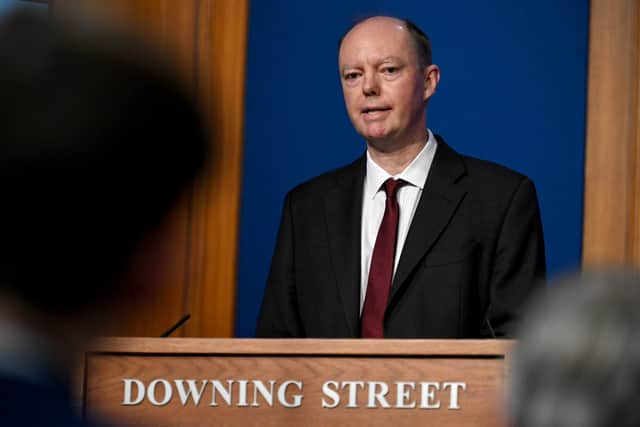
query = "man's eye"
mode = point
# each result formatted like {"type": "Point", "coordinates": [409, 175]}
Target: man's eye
{"type": "Point", "coordinates": [390, 70]}
{"type": "Point", "coordinates": [351, 76]}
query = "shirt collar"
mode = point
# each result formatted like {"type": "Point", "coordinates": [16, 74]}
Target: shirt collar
{"type": "Point", "coordinates": [415, 173]}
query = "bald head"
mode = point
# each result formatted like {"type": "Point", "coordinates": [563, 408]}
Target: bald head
{"type": "Point", "coordinates": [417, 38]}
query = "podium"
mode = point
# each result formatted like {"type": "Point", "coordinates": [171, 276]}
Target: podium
{"type": "Point", "coordinates": [297, 382]}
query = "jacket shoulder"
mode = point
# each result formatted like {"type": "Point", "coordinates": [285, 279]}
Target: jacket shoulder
{"type": "Point", "coordinates": [474, 171]}
{"type": "Point", "coordinates": [491, 171]}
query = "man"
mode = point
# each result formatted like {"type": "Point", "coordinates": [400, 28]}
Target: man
{"type": "Point", "coordinates": [577, 361]}
{"type": "Point", "coordinates": [97, 141]}
{"type": "Point", "coordinates": [413, 240]}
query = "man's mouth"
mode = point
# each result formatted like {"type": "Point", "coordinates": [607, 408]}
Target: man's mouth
{"type": "Point", "coordinates": [374, 110]}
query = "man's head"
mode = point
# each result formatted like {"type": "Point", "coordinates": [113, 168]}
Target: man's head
{"type": "Point", "coordinates": [577, 362]}
{"type": "Point", "coordinates": [387, 78]}
{"type": "Point", "coordinates": [97, 140]}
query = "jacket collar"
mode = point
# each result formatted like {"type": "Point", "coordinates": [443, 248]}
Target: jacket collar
{"type": "Point", "coordinates": [343, 209]}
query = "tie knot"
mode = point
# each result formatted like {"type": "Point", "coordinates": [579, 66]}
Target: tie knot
{"type": "Point", "coordinates": [391, 187]}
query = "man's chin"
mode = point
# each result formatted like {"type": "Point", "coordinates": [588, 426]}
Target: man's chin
{"type": "Point", "coordinates": [382, 143]}
{"type": "Point", "coordinates": [376, 135]}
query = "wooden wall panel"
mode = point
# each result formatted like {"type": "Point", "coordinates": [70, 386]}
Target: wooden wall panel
{"type": "Point", "coordinates": [206, 41]}
{"type": "Point", "coordinates": [221, 52]}
{"type": "Point", "coordinates": [612, 179]}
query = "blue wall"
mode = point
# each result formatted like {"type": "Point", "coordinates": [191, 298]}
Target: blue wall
{"type": "Point", "coordinates": [513, 90]}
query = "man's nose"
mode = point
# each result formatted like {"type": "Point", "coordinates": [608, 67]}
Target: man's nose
{"type": "Point", "coordinates": [370, 84]}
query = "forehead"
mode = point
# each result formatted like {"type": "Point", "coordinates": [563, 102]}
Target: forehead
{"type": "Point", "coordinates": [376, 39]}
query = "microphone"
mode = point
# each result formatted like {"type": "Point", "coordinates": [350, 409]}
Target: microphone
{"type": "Point", "coordinates": [493, 333]}
{"type": "Point", "coordinates": [176, 326]}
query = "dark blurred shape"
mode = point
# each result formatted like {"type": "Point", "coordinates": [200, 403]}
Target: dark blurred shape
{"type": "Point", "coordinates": [97, 142]}
{"type": "Point", "coordinates": [578, 360]}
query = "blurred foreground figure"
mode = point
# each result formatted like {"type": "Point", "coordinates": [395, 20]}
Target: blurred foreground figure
{"type": "Point", "coordinates": [578, 361]}
{"type": "Point", "coordinates": [97, 141]}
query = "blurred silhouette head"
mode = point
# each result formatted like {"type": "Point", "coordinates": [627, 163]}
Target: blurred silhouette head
{"type": "Point", "coordinates": [578, 359]}
{"type": "Point", "coordinates": [97, 141]}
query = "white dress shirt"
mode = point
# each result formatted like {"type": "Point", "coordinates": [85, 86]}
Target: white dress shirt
{"type": "Point", "coordinates": [374, 200]}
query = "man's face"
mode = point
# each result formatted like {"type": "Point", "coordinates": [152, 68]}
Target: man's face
{"type": "Point", "coordinates": [384, 89]}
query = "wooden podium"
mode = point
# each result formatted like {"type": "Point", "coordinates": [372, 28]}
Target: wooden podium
{"type": "Point", "coordinates": [310, 382]}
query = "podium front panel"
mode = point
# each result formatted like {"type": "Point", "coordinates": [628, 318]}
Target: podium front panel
{"type": "Point", "coordinates": [223, 382]}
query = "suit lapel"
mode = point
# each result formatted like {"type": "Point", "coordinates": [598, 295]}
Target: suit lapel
{"type": "Point", "coordinates": [440, 199]}
{"type": "Point", "coordinates": [343, 209]}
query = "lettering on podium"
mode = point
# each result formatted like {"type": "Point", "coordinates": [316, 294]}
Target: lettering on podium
{"type": "Point", "coordinates": [426, 395]}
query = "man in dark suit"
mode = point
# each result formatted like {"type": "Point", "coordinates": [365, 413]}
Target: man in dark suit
{"type": "Point", "coordinates": [413, 240]}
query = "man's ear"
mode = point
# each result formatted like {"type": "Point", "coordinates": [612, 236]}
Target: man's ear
{"type": "Point", "coordinates": [431, 79]}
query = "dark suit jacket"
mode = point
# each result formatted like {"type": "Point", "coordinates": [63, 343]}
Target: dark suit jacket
{"type": "Point", "coordinates": [473, 254]}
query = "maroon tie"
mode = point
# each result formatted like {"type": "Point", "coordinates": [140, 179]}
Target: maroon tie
{"type": "Point", "coordinates": [381, 270]}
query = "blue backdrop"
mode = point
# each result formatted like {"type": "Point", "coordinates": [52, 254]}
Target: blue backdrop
{"type": "Point", "coordinates": [513, 90]}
